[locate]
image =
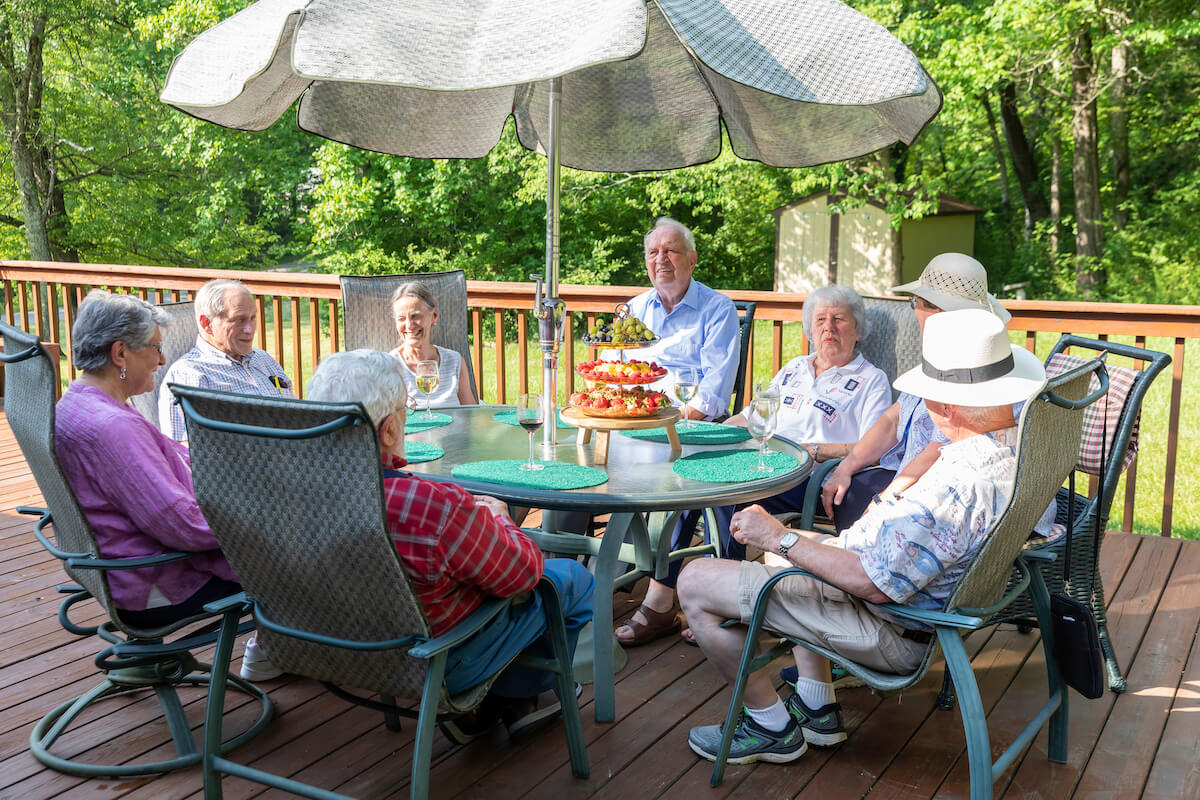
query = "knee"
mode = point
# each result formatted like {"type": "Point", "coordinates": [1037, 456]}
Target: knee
{"type": "Point", "coordinates": [697, 580]}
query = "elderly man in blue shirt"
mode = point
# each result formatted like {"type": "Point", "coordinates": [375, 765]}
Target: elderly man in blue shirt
{"type": "Point", "coordinates": [698, 329]}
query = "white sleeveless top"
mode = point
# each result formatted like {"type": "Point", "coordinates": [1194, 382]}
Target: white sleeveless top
{"type": "Point", "coordinates": [447, 392]}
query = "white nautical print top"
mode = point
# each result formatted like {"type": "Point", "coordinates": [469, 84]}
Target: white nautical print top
{"type": "Point", "coordinates": [839, 405]}
{"type": "Point", "coordinates": [916, 545]}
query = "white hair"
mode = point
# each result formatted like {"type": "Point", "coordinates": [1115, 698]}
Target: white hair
{"type": "Point", "coordinates": [835, 295]}
{"type": "Point", "coordinates": [369, 377]}
{"type": "Point", "coordinates": [210, 298]}
{"type": "Point", "coordinates": [667, 222]}
{"type": "Point", "coordinates": [104, 319]}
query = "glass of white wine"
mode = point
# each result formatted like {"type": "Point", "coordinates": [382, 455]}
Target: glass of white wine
{"type": "Point", "coordinates": [427, 383]}
{"type": "Point", "coordinates": [529, 416]}
{"type": "Point", "coordinates": [760, 422]}
{"type": "Point", "coordinates": [769, 392]}
{"type": "Point", "coordinates": [685, 389]}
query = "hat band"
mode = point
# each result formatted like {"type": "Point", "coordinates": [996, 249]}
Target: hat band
{"type": "Point", "coordinates": [970, 374]}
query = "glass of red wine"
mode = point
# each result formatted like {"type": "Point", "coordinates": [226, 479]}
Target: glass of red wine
{"type": "Point", "coordinates": [529, 415]}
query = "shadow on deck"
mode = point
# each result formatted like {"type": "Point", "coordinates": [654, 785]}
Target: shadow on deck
{"type": "Point", "coordinates": [1144, 743]}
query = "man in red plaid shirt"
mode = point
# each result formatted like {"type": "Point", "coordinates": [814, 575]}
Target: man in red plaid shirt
{"type": "Point", "coordinates": [458, 550]}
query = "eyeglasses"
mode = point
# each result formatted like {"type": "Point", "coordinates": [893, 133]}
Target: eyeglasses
{"type": "Point", "coordinates": [157, 347]}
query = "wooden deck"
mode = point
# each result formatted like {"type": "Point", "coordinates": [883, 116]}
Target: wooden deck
{"type": "Point", "coordinates": [1145, 743]}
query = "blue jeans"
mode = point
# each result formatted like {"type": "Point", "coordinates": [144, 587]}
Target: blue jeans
{"type": "Point", "coordinates": [519, 629]}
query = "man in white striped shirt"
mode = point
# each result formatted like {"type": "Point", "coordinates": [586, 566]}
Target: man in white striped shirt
{"type": "Point", "coordinates": [224, 356]}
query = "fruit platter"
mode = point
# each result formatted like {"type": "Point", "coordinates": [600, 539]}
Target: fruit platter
{"type": "Point", "coordinates": [622, 332]}
{"type": "Point", "coordinates": [613, 403]}
{"type": "Point", "coordinates": [625, 372]}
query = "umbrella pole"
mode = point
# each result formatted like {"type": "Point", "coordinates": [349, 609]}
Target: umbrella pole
{"type": "Point", "coordinates": [549, 307]}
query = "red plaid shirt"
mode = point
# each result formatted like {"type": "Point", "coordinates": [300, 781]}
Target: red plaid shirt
{"type": "Point", "coordinates": [456, 553]}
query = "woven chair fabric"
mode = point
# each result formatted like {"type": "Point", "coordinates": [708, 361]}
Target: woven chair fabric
{"type": "Point", "coordinates": [367, 311]}
{"type": "Point", "coordinates": [303, 525]}
{"type": "Point", "coordinates": [644, 83]}
{"type": "Point", "coordinates": [893, 341]}
{"type": "Point", "coordinates": [179, 337]}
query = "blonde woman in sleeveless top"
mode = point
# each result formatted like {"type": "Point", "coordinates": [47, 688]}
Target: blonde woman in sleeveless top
{"type": "Point", "coordinates": [415, 313]}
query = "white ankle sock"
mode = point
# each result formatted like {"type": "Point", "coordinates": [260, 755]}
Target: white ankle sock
{"type": "Point", "coordinates": [814, 694]}
{"type": "Point", "coordinates": [773, 717]}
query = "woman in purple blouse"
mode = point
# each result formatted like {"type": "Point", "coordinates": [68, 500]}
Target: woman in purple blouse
{"type": "Point", "coordinates": [133, 483]}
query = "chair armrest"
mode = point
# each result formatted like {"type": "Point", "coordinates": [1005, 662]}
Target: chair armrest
{"type": "Point", "coordinates": [463, 630]}
{"type": "Point", "coordinates": [238, 600]}
{"type": "Point", "coordinates": [87, 560]}
{"type": "Point", "coordinates": [1039, 555]}
{"type": "Point", "coordinates": [812, 492]}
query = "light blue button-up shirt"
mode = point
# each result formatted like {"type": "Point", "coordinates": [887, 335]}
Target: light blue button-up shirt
{"type": "Point", "coordinates": [700, 332]}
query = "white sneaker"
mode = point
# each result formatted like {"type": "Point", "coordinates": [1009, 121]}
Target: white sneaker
{"type": "Point", "coordinates": [255, 664]}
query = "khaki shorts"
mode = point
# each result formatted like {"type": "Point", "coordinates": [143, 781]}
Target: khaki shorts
{"type": "Point", "coordinates": [805, 608]}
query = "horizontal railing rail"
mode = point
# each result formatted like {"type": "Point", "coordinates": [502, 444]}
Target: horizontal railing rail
{"type": "Point", "coordinates": [299, 320]}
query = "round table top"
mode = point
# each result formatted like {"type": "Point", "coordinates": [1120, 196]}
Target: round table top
{"type": "Point", "coordinates": [640, 477]}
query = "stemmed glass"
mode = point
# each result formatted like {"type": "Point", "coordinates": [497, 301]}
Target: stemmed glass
{"type": "Point", "coordinates": [685, 390]}
{"type": "Point", "coordinates": [760, 422]}
{"type": "Point", "coordinates": [769, 392]}
{"type": "Point", "coordinates": [427, 383]}
{"type": "Point", "coordinates": [529, 415]}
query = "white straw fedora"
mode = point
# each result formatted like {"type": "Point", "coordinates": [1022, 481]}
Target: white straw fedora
{"type": "Point", "coordinates": [967, 360]}
{"type": "Point", "coordinates": [953, 281]}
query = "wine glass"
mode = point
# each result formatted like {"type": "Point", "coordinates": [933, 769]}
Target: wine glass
{"type": "Point", "coordinates": [529, 416]}
{"type": "Point", "coordinates": [769, 392]}
{"type": "Point", "coordinates": [685, 390]}
{"type": "Point", "coordinates": [427, 383]}
{"type": "Point", "coordinates": [760, 422]}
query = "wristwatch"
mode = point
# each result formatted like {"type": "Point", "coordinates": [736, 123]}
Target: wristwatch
{"type": "Point", "coordinates": [785, 544]}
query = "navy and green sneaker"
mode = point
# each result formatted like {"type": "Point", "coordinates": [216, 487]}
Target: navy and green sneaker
{"type": "Point", "coordinates": [751, 742]}
{"type": "Point", "coordinates": [822, 727]}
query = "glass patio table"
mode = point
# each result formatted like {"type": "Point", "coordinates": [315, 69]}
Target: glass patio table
{"type": "Point", "coordinates": [642, 493]}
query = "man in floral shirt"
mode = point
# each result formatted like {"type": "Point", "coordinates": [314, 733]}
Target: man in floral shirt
{"type": "Point", "coordinates": [459, 550]}
{"type": "Point", "coordinates": [909, 547]}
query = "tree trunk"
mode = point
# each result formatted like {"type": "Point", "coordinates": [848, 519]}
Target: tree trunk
{"type": "Point", "coordinates": [1119, 123]}
{"type": "Point", "coordinates": [1056, 158]}
{"type": "Point", "coordinates": [43, 208]}
{"type": "Point", "coordinates": [1024, 164]}
{"type": "Point", "coordinates": [1085, 169]}
{"type": "Point", "coordinates": [1002, 165]}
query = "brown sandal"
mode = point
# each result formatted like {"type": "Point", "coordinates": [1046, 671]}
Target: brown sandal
{"type": "Point", "coordinates": [656, 625]}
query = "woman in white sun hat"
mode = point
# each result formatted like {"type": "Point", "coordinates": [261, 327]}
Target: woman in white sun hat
{"type": "Point", "coordinates": [904, 442]}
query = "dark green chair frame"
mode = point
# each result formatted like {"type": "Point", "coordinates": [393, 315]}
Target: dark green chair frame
{"type": "Point", "coordinates": [1084, 570]}
{"type": "Point", "coordinates": [745, 309]}
{"type": "Point", "coordinates": [316, 573]}
{"type": "Point", "coordinates": [1049, 434]}
{"type": "Point", "coordinates": [136, 659]}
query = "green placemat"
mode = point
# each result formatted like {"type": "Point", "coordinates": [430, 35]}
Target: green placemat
{"type": "Point", "coordinates": [730, 466]}
{"type": "Point", "coordinates": [416, 452]}
{"type": "Point", "coordinates": [694, 433]}
{"type": "Point", "coordinates": [415, 422]}
{"type": "Point", "coordinates": [556, 474]}
{"type": "Point", "coordinates": [510, 418]}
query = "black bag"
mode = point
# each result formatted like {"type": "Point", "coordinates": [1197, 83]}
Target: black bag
{"type": "Point", "coordinates": [1076, 638]}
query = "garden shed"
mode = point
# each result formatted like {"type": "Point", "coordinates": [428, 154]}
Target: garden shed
{"type": "Point", "coordinates": [859, 248]}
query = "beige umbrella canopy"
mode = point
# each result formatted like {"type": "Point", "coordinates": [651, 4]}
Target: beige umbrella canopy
{"type": "Point", "coordinates": [602, 85]}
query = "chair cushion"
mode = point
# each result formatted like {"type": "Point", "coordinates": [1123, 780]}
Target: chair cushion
{"type": "Point", "coordinates": [1101, 418]}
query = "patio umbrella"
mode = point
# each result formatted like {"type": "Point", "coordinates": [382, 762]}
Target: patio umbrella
{"type": "Point", "coordinates": [603, 85]}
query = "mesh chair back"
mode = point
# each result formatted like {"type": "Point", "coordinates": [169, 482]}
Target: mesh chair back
{"type": "Point", "coordinates": [893, 342]}
{"type": "Point", "coordinates": [1049, 437]}
{"type": "Point", "coordinates": [178, 338]}
{"type": "Point", "coordinates": [303, 525]}
{"type": "Point", "coordinates": [745, 310]}
{"type": "Point", "coordinates": [367, 312]}
{"type": "Point", "coordinates": [29, 407]}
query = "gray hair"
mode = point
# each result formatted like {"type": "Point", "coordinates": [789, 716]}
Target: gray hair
{"type": "Point", "coordinates": [104, 319]}
{"type": "Point", "coordinates": [210, 298]}
{"type": "Point", "coordinates": [667, 222]}
{"type": "Point", "coordinates": [370, 377]}
{"type": "Point", "coordinates": [836, 296]}
{"type": "Point", "coordinates": [417, 290]}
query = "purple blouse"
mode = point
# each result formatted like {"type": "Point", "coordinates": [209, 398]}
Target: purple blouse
{"type": "Point", "coordinates": [135, 488]}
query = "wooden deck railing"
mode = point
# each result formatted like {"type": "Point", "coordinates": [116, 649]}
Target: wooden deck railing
{"type": "Point", "coordinates": [42, 296]}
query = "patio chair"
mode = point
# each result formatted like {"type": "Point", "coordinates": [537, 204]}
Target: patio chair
{"type": "Point", "coordinates": [135, 659]}
{"type": "Point", "coordinates": [321, 574]}
{"type": "Point", "coordinates": [1119, 416]}
{"type": "Point", "coordinates": [1049, 429]}
{"type": "Point", "coordinates": [745, 310]}
{"type": "Point", "coordinates": [367, 312]}
{"type": "Point", "coordinates": [178, 338]}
